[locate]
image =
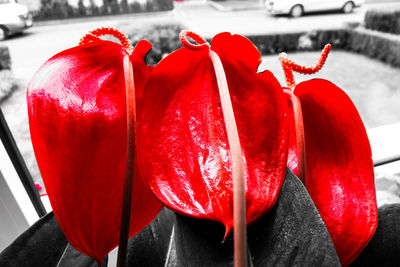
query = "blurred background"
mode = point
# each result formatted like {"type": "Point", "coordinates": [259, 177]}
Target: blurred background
{"type": "Point", "coordinates": [364, 62]}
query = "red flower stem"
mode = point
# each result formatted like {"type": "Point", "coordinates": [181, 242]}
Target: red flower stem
{"type": "Point", "coordinates": [95, 35]}
{"type": "Point", "coordinates": [197, 38]}
{"type": "Point", "coordinates": [130, 161]}
{"type": "Point", "coordinates": [239, 198]}
{"type": "Point", "coordinates": [289, 66]}
{"type": "Point", "coordinates": [288, 71]}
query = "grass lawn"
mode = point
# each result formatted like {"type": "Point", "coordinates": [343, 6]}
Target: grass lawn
{"type": "Point", "coordinates": [373, 86]}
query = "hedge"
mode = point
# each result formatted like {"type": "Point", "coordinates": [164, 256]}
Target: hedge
{"type": "Point", "coordinates": [384, 20]}
{"type": "Point", "coordinates": [382, 46]}
{"type": "Point", "coordinates": [163, 37]}
{"type": "Point", "coordinates": [300, 41]}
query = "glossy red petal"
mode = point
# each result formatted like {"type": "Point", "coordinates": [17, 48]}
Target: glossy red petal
{"type": "Point", "coordinates": [339, 167]}
{"type": "Point", "coordinates": [184, 151]}
{"type": "Point", "coordinates": [77, 116]}
{"type": "Point", "coordinates": [140, 69]}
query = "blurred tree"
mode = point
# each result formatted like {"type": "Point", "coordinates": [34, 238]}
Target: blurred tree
{"type": "Point", "coordinates": [124, 6]}
{"type": "Point", "coordinates": [110, 7]}
{"type": "Point", "coordinates": [59, 9]}
{"type": "Point", "coordinates": [81, 8]}
{"type": "Point", "coordinates": [94, 9]}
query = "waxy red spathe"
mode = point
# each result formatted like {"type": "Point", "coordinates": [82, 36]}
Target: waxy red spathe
{"type": "Point", "coordinates": [78, 122]}
{"type": "Point", "coordinates": [331, 154]}
{"type": "Point", "coordinates": [184, 148]}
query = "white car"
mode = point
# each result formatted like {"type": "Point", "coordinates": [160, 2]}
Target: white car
{"type": "Point", "coordinates": [14, 18]}
{"type": "Point", "coordinates": [296, 8]}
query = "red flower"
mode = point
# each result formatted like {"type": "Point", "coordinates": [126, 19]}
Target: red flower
{"type": "Point", "coordinates": [330, 152]}
{"type": "Point", "coordinates": [184, 151]}
{"type": "Point", "coordinates": [77, 108]}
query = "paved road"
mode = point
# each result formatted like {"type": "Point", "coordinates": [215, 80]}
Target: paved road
{"type": "Point", "coordinates": [32, 49]}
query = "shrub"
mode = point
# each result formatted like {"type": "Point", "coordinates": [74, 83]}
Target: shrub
{"type": "Point", "coordinates": [276, 43]}
{"type": "Point", "coordinates": [384, 20]}
{"type": "Point", "coordinates": [337, 38]}
{"type": "Point", "coordinates": [159, 5]}
{"type": "Point", "coordinates": [163, 37]}
{"type": "Point", "coordinates": [8, 84]}
{"type": "Point", "coordinates": [7, 80]}
{"type": "Point", "coordinates": [300, 41]}
{"type": "Point", "coordinates": [5, 59]}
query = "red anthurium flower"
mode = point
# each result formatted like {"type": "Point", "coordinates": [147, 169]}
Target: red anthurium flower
{"type": "Point", "coordinates": [77, 104]}
{"type": "Point", "coordinates": [185, 153]}
{"type": "Point", "coordinates": [330, 152]}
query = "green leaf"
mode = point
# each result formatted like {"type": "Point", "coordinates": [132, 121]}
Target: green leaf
{"type": "Point", "coordinates": [384, 247]}
{"type": "Point", "coordinates": [73, 257]}
{"type": "Point", "coordinates": [149, 248]}
{"type": "Point", "coordinates": [44, 244]}
{"type": "Point", "coordinates": [292, 233]}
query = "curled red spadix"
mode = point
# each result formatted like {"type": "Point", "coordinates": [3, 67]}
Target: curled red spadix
{"type": "Point", "coordinates": [185, 153]}
{"type": "Point", "coordinates": [330, 152]}
{"type": "Point", "coordinates": [78, 115]}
